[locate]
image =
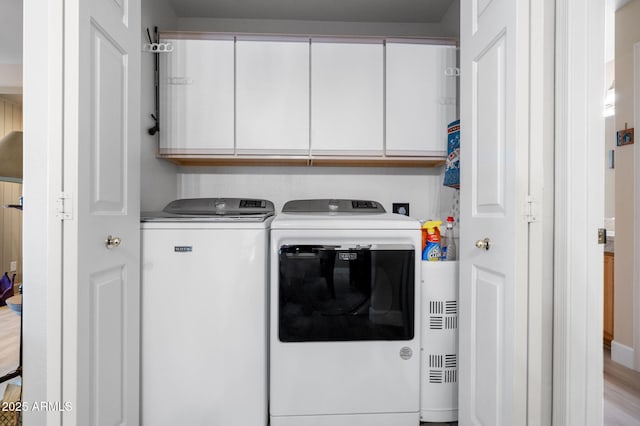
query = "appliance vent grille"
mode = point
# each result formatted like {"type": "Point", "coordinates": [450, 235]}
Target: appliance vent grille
{"type": "Point", "coordinates": [435, 376]}
{"type": "Point", "coordinates": [451, 376]}
{"type": "Point", "coordinates": [436, 307]}
{"type": "Point", "coordinates": [451, 323]}
{"type": "Point", "coordinates": [443, 368]}
{"type": "Point", "coordinates": [435, 323]}
{"type": "Point", "coordinates": [440, 323]}
{"type": "Point", "coordinates": [435, 361]}
{"type": "Point", "coordinates": [443, 315]}
{"type": "Point", "coordinates": [451, 360]}
{"type": "Point", "coordinates": [443, 376]}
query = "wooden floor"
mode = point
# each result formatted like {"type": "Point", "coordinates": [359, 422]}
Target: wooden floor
{"type": "Point", "coordinates": [621, 385]}
{"type": "Point", "coordinates": [9, 340]}
{"type": "Point", "coordinates": [621, 394]}
{"type": "Point", "coordinates": [9, 344]}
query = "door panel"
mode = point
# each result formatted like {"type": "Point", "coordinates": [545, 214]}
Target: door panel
{"type": "Point", "coordinates": [101, 288]}
{"type": "Point", "coordinates": [108, 121]}
{"type": "Point", "coordinates": [107, 345]}
{"type": "Point", "coordinates": [494, 120]}
{"type": "Point", "coordinates": [489, 130]}
{"type": "Point", "coordinates": [487, 318]}
{"type": "Point", "coordinates": [481, 6]}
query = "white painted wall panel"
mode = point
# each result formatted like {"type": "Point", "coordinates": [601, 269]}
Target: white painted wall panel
{"type": "Point", "coordinates": [158, 183]}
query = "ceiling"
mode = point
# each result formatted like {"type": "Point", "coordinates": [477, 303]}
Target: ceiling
{"type": "Point", "coordinates": [415, 11]}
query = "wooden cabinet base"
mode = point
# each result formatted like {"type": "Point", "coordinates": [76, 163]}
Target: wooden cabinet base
{"type": "Point", "coordinates": [263, 160]}
{"type": "Point", "coordinates": [607, 335]}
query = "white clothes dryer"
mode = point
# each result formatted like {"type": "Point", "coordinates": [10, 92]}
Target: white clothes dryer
{"type": "Point", "coordinates": [344, 320]}
{"type": "Point", "coordinates": [204, 313]}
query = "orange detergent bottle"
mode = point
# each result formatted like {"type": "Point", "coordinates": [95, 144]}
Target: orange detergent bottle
{"type": "Point", "coordinates": [431, 250]}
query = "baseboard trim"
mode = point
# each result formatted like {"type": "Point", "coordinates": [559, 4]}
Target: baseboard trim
{"type": "Point", "coordinates": [622, 354]}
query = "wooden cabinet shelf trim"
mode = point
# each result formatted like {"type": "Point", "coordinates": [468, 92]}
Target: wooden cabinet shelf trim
{"type": "Point", "coordinates": [318, 161]}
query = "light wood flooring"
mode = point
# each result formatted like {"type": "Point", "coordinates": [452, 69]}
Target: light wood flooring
{"type": "Point", "coordinates": [9, 340]}
{"type": "Point", "coordinates": [621, 385]}
{"type": "Point", "coordinates": [621, 394]}
{"type": "Point", "coordinates": [9, 344]}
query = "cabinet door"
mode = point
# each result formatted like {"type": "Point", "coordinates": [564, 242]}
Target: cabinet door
{"type": "Point", "coordinates": [196, 97]}
{"type": "Point", "coordinates": [347, 98]}
{"type": "Point", "coordinates": [421, 98]}
{"type": "Point", "coordinates": [272, 96]}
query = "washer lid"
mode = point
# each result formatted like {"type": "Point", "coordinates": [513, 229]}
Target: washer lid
{"type": "Point", "coordinates": [333, 206]}
{"type": "Point", "coordinates": [214, 209]}
{"type": "Point", "coordinates": [339, 214]}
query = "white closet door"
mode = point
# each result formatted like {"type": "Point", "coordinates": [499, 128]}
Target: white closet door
{"type": "Point", "coordinates": [100, 226]}
{"type": "Point", "coordinates": [496, 112]}
{"type": "Point", "coordinates": [347, 98]}
{"type": "Point", "coordinates": [196, 97]}
{"type": "Point", "coordinates": [421, 98]}
{"type": "Point", "coordinates": [272, 96]}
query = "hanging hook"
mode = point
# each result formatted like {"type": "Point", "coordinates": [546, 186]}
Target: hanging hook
{"type": "Point", "coordinates": [153, 130]}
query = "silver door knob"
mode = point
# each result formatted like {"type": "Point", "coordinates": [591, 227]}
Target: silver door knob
{"type": "Point", "coordinates": [112, 242]}
{"type": "Point", "coordinates": [484, 244]}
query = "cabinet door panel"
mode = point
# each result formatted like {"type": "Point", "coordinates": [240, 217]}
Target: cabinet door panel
{"type": "Point", "coordinates": [196, 97]}
{"type": "Point", "coordinates": [346, 98]}
{"type": "Point", "coordinates": [420, 98]}
{"type": "Point", "coordinates": [272, 97]}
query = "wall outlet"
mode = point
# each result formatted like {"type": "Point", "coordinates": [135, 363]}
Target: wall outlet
{"type": "Point", "coordinates": [13, 266]}
{"type": "Point", "coordinates": [401, 208]}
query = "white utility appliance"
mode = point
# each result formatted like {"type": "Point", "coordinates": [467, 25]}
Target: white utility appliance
{"type": "Point", "coordinates": [204, 313]}
{"type": "Point", "coordinates": [439, 391]}
{"type": "Point", "coordinates": [344, 329]}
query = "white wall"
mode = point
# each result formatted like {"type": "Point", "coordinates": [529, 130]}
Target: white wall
{"type": "Point", "coordinates": [422, 188]}
{"type": "Point", "coordinates": [609, 174]}
{"type": "Point", "coordinates": [450, 24]}
{"type": "Point", "coordinates": [627, 34]}
{"type": "Point", "coordinates": [42, 174]}
{"type": "Point", "coordinates": [158, 184]}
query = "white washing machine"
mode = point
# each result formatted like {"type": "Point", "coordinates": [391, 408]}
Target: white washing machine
{"type": "Point", "coordinates": [204, 313]}
{"type": "Point", "coordinates": [344, 319]}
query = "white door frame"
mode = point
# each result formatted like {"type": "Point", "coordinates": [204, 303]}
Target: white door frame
{"type": "Point", "coordinates": [42, 229]}
{"type": "Point", "coordinates": [541, 179]}
{"type": "Point", "coordinates": [577, 36]}
{"type": "Point", "coordinates": [579, 211]}
{"type": "Point", "coordinates": [636, 213]}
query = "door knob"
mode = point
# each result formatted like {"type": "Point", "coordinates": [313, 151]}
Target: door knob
{"type": "Point", "coordinates": [112, 242]}
{"type": "Point", "coordinates": [484, 244]}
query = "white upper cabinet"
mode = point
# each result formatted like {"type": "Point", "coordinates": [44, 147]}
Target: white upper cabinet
{"type": "Point", "coordinates": [420, 98]}
{"type": "Point", "coordinates": [272, 96]}
{"type": "Point", "coordinates": [320, 99]}
{"type": "Point", "coordinates": [347, 95]}
{"type": "Point", "coordinates": [196, 97]}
